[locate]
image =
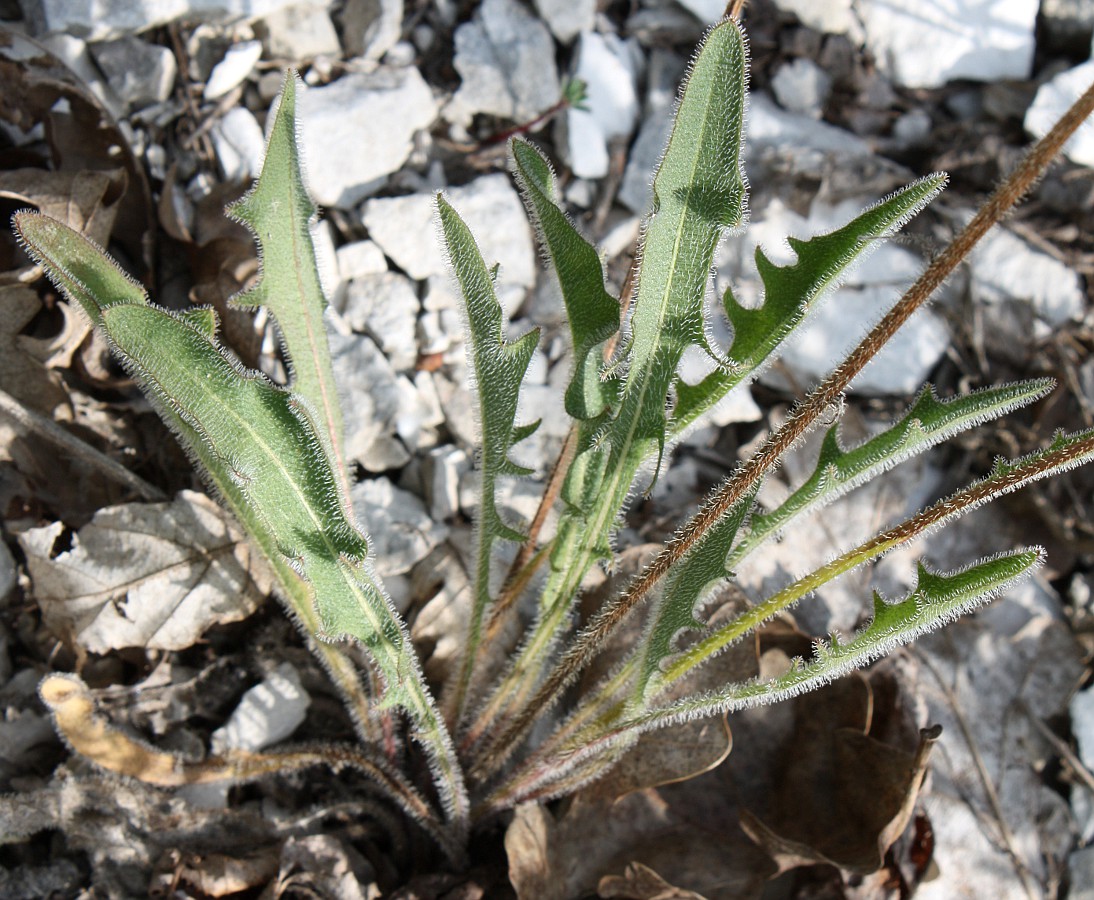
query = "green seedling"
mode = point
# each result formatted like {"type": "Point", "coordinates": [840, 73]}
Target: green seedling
{"type": "Point", "coordinates": [273, 456]}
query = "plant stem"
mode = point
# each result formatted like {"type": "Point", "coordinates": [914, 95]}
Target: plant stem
{"type": "Point", "coordinates": [802, 417]}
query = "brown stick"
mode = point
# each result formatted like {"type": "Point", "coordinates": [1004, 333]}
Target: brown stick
{"type": "Point", "coordinates": [592, 637]}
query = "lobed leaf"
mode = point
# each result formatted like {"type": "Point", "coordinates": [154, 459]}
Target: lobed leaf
{"type": "Point", "coordinates": [592, 312]}
{"type": "Point", "coordinates": [498, 369]}
{"type": "Point", "coordinates": [280, 214]}
{"type": "Point", "coordinates": [790, 292]}
{"type": "Point", "coordinates": [928, 422]}
{"type": "Point", "coordinates": [936, 600]}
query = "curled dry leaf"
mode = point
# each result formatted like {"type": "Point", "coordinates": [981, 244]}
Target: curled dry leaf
{"type": "Point", "coordinates": [37, 88]}
{"type": "Point", "coordinates": [152, 575]}
{"type": "Point", "coordinates": [639, 882]}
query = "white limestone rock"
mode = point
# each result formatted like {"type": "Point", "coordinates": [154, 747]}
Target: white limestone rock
{"type": "Point", "coordinates": [238, 63]}
{"type": "Point", "coordinates": [239, 144]}
{"type": "Point", "coordinates": [400, 530]}
{"type": "Point", "coordinates": [923, 45]}
{"type": "Point", "coordinates": [406, 230]}
{"type": "Point", "coordinates": [567, 18]}
{"type": "Point", "coordinates": [1053, 100]}
{"type": "Point", "coordinates": [506, 59]}
{"type": "Point", "coordinates": [609, 68]}
{"type": "Point", "coordinates": [267, 714]}
{"type": "Point", "coordinates": [385, 306]}
{"type": "Point", "coordinates": [359, 129]}
{"type": "Point", "coordinates": [139, 74]}
{"type": "Point", "coordinates": [1022, 294]}
{"type": "Point", "coordinates": [369, 391]}
{"type": "Point", "coordinates": [802, 87]}
{"type": "Point", "coordinates": [443, 467]}
{"type": "Point", "coordinates": [355, 260]}
{"type": "Point", "coordinates": [298, 32]}
{"type": "Point", "coordinates": [831, 16]}
{"type": "Point", "coordinates": [98, 20]}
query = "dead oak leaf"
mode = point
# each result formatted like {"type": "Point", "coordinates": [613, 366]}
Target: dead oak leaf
{"type": "Point", "coordinates": [152, 575]}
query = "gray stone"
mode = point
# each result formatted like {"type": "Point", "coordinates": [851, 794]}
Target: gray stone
{"type": "Point", "coordinates": [97, 20]}
{"type": "Point", "coordinates": [371, 27]}
{"type": "Point", "coordinates": [239, 144]}
{"type": "Point", "coordinates": [506, 60]}
{"type": "Point", "coordinates": [400, 530]}
{"type": "Point", "coordinates": [406, 230]}
{"type": "Point", "coordinates": [1052, 101]}
{"type": "Point", "coordinates": [832, 16]}
{"type": "Point", "coordinates": [368, 388]}
{"type": "Point", "coordinates": [443, 467]}
{"type": "Point", "coordinates": [801, 86]}
{"type": "Point", "coordinates": [385, 306]}
{"type": "Point", "coordinates": [138, 73]}
{"type": "Point", "coordinates": [298, 32]}
{"type": "Point", "coordinates": [359, 129]}
{"type": "Point", "coordinates": [1081, 869]}
{"type": "Point", "coordinates": [706, 11]}
{"type": "Point", "coordinates": [567, 18]}
{"type": "Point", "coordinates": [238, 63]}
{"type": "Point", "coordinates": [268, 713]}
{"type": "Point", "coordinates": [923, 45]}
{"type": "Point", "coordinates": [913, 128]}
{"type": "Point", "coordinates": [609, 68]}
{"type": "Point", "coordinates": [664, 74]}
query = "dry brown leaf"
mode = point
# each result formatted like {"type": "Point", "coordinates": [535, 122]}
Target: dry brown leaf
{"type": "Point", "coordinates": [639, 882]}
{"type": "Point", "coordinates": [86, 201]}
{"type": "Point", "coordinates": [686, 832]}
{"type": "Point", "coordinates": [23, 376]}
{"type": "Point", "coordinates": [215, 874]}
{"type": "Point", "coordinates": [854, 812]}
{"type": "Point", "coordinates": [36, 88]}
{"type": "Point", "coordinates": [153, 575]}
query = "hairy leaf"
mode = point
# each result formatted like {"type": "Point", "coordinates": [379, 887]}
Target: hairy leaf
{"type": "Point", "coordinates": [280, 213]}
{"type": "Point", "coordinates": [685, 587]}
{"type": "Point", "coordinates": [790, 291]}
{"type": "Point", "coordinates": [592, 312]}
{"type": "Point", "coordinates": [929, 421]}
{"type": "Point", "coordinates": [499, 368]}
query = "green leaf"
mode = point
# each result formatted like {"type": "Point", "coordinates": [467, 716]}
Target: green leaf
{"type": "Point", "coordinates": [698, 192]}
{"type": "Point", "coordinates": [281, 215]}
{"type": "Point", "coordinates": [498, 369]}
{"type": "Point", "coordinates": [264, 453]}
{"type": "Point", "coordinates": [686, 586]}
{"type": "Point", "coordinates": [936, 600]}
{"type": "Point", "coordinates": [929, 422]}
{"type": "Point", "coordinates": [592, 312]}
{"type": "Point", "coordinates": [790, 292]}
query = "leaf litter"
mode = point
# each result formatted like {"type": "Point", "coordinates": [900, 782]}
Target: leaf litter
{"type": "Point", "coordinates": [630, 835]}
